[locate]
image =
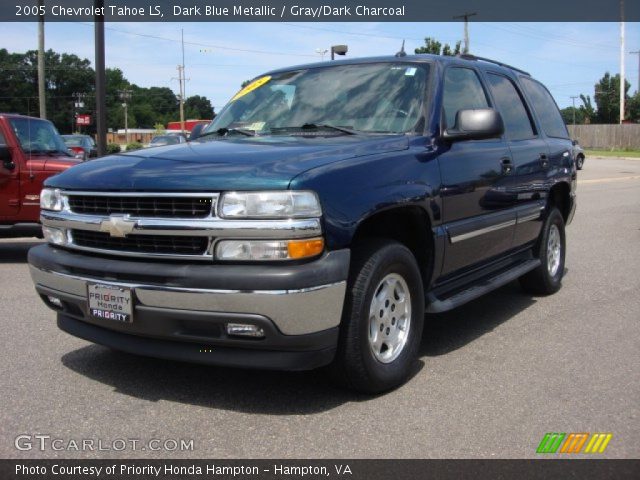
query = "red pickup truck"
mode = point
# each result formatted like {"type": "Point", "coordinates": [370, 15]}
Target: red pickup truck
{"type": "Point", "coordinates": [31, 150]}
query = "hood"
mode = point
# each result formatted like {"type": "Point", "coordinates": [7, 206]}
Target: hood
{"type": "Point", "coordinates": [231, 164]}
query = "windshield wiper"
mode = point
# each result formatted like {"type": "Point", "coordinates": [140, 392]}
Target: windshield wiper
{"type": "Point", "coordinates": [224, 131]}
{"type": "Point", "coordinates": [318, 126]}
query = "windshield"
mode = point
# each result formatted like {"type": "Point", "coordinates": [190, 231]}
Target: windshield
{"type": "Point", "coordinates": [37, 135]}
{"type": "Point", "coordinates": [373, 98]}
{"type": "Point", "coordinates": [165, 140]}
{"type": "Point", "coordinates": [73, 141]}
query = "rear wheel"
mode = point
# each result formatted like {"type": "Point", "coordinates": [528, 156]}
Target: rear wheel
{"type": "Point", "coordinates": [383, 318]}
{"type": "Point", "coordinates": [550, 249]}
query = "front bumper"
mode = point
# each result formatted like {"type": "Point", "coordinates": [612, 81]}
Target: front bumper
{"type": "Point", "coordinates": [181, 310]}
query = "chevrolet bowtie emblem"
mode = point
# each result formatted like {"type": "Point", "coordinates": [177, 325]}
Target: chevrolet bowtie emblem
{"type": "Point", "coordinates": [118, 226]}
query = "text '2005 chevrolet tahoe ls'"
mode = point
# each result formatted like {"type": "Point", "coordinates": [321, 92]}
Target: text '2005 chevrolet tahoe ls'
{"type": "Point", "coordinates": [326, 209]}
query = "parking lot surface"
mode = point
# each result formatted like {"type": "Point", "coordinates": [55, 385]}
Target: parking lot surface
{"type": "Point", "coordinates": [494, 376]}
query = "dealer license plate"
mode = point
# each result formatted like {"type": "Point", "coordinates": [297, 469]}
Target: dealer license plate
{"type": "Point", "coordinates": [110, 302]}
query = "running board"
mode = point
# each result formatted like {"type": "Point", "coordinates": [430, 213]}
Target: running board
{"type": "Point", "coordinates": [436, 305]}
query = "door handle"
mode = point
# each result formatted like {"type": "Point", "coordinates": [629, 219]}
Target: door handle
{"type": "Point", "coordinates": [507, 166]}
{"type": "Point", "coordinates": [544, 160]}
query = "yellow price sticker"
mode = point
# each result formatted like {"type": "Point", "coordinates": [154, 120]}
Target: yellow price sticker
{"type": "Point", "coordinates": [251, 87]}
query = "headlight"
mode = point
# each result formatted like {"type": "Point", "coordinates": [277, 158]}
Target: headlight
{"type": "Point", "coordinates": [251, 250]}
{"type": "Point", "coordinates": [277, 204]}
{"type": "Point", "coordinates": [51, 199]}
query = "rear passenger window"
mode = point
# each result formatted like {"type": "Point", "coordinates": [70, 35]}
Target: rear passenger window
{"type": "Point", "coordinates": [462, 90]}
{"type": "Point", "coordinates": [517, 123]}
{"type": "Point", "coordinates": [545, 108]}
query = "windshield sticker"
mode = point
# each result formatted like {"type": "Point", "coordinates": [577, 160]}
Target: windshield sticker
{"type": "Point", "coordinates": [255, 126]}
{"type": "Point", "coordinates": [251, 87]}
{"type": "Point", "coordinates": [410, 72]}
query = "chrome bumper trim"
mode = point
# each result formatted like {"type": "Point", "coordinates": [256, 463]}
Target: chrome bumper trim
{"type": "Point", "coordinates": [294, 312]}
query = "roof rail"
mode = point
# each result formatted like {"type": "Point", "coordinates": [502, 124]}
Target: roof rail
{"type": "Point", "coordinates": [468, 56]}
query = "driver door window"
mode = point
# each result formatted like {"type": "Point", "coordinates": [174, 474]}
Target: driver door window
{"type": "Point", "coordinates": [462, 90]}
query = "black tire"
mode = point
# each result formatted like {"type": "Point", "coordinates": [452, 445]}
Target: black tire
{"type": "Point", "coordinates": [579, 162]}
{"type": "Point", "coordinates": [355, 365]}
{"type": "Point", "coordinates": [542, 280]}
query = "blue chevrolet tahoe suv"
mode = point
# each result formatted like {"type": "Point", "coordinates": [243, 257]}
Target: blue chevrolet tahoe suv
{"type": "Point", "coordinates": [315, 222]}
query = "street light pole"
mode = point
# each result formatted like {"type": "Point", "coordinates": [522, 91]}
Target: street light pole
{"type": "Point", "coordinates": [41, 80]}
{"type": "Point", "coordinates": [125, 96]}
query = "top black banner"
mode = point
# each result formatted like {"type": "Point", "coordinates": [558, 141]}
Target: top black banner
{"type": "Point", "coordinates": [320, 10]}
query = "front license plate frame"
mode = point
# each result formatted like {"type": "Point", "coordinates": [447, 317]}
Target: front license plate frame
{"type": "Point", "coordinates": [110, 302]}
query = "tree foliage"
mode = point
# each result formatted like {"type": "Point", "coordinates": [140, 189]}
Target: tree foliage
{"type": "Point", "coordinates": [434, 47]}
{"type": "Point", "coordinates": [198, 107]}
{"type": "Point", "coordinates": [607, 98]}
{"type": "Point", "coordinates": [68, 75]}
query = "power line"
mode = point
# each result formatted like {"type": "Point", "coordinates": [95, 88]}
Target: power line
{"type": "Point", "coordinates": [207, 45]}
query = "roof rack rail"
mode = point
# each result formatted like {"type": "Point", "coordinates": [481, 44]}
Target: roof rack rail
{"type": "Point", "coordinates": [468, 56]}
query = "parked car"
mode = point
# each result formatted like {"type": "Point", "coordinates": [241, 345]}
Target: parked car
{"type": "Point", "coordinates": [31, 150]}
{"type": "Point", "coordinates": [578, 154]}
{"type": "Point", "coordinates": [324, 211]}
{"type": "Point", "coordinates": [163, 140]}
{"type": "Point", "coordinates": [83, 146]}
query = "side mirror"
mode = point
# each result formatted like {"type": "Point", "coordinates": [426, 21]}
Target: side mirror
{"type": "Point", "coordinates": [475, 124]}
{"type": "Point", "coordinates": [196, 131]}
{"type": "Point", "coordinates": [574, 142]}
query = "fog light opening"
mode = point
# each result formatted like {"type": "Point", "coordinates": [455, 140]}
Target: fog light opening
{"type": "Point", "coordinates": [244, 330]}
{"type": "Point", "coordinates": [55, 301]}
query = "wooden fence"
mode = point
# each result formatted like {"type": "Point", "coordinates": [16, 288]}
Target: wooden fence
{"type": "Point", "coordinates": [607, 137]}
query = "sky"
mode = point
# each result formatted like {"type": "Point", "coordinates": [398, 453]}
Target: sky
{"type": "Point", "coordinates": [569, 58]}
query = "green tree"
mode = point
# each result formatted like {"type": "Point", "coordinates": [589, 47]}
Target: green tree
{"type": "Point", "coordinates": [198, 107]}
{"type": "Point", "coordinates": [567, 115]}
{"type": "Point", "coordinates": [634, 108]}
{"type": "Point", "coordinates": [607, 98]}
{"type": "Point", "coordinates": [589, 112]}
{"type": "Point", "coordinates": [434, 47]}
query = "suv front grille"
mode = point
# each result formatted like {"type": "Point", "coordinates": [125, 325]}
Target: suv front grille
{"type": "Point", "coordinates": [163, 207]}
{"type": "Point", "coordinates": [158, 244]}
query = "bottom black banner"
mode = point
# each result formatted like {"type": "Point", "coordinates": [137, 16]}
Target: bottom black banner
{"type": "Point", "coordinates": [317, 469]}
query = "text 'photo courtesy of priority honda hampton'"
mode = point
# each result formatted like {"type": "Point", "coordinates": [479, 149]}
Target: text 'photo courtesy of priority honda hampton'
{"type": "Point", "coordinates": [316, 221]}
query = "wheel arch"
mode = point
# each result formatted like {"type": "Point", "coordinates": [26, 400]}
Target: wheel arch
{"type": "Point", "coordinates": [408, 225]}
{"type": "Point", "coordinates": [560, 197]}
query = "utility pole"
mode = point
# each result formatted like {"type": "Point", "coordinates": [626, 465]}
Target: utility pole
{"type": "Point", "coordinates": [125, 96]}
{"type": "Point", "coordinates": [182, 82]}
{"type": "Point", "coordinates": [466, 16]}
{"type": "Point", "coordinates": [181, 95]}
{"type": "Point", "coordinates": [622, 79]}
{"type": "Point", "coordinates": [637, 52]}
{"type": "Point", "coordinates": [573, 99]}
{"type": "Point", "coordinates": [101, 81]}
{"type": "Point", "coordinates": [41, 80]}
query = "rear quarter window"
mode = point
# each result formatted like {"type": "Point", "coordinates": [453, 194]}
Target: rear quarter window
{"type": "Point", "coordinates": [546, 109]}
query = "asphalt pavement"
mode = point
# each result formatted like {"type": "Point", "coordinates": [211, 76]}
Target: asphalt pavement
{"type": "Point", "coordinates": [494, 376]}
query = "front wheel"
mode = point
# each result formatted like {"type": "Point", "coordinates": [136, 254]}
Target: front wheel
{"type": "Point", "coordinates": [550, 249]}
{"type": "Point", "coordinates": [580, 162]}
{"type": "Point", "coordinates": [383, 318]}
